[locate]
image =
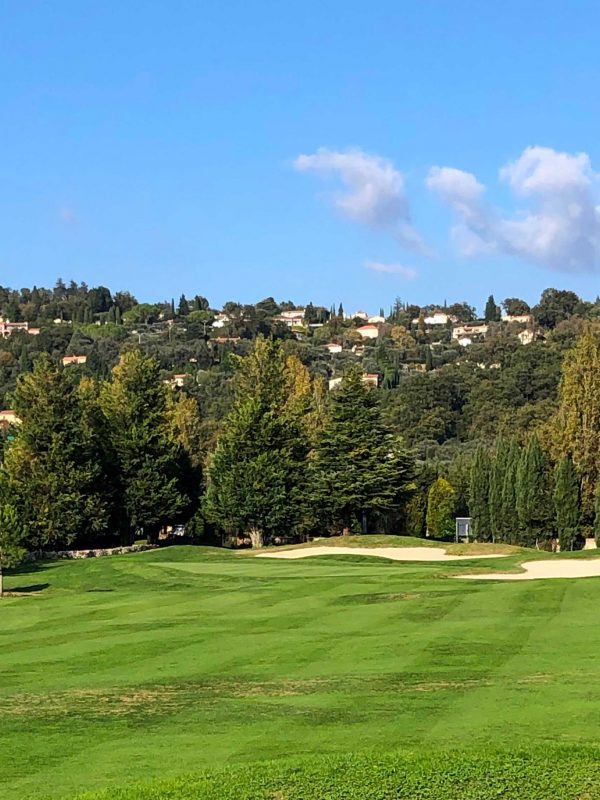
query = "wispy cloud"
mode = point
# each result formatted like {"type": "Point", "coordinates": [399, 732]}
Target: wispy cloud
{"type": "Point", "coordinates": [375, 193]}
{"type": "Point", "coordinates": [557, 221]}
{"type": "Point", "coordinates": [408, 273]}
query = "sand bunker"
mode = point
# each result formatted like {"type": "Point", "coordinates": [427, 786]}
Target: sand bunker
{"type": "Point", "coordinates": [536, 570]}
{"type": "Point", "coordinates": [394, 553]}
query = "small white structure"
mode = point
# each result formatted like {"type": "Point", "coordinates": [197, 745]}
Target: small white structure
{"type": "Point", "coordinates": [371, 379]}
{"type": "Point", "coordinates": [360, 315]}
{"type": "Point", "coordinates": [437, 318]}
{"type": "Point", "coordinates": [527, 336]}
{"type": "Point", "coordinates": [220, 321]}
{"type": "Point", "coordinates": [69, 360]}
{"type": "Point", "coordinates": [468, 329]}
{"type": "Point", "coordinates": [465, 341]}
{"type": "Point", "coordinates": [368, 331]}
{"type": "Point", "coordinates": [376, 320]}
{"type": "Point", "coordinates": [333, 347]}
{"type": "Point", "coordinates": [333, 382]}
{"type": "Point", "coordinates": [291, 318]}
{"type": "Point", "coordinates": [521, 319]}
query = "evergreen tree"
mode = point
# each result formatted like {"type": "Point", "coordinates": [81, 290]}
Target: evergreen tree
{"type": "Point", "coordinates": [566, 503]}
{"type": "Point", "coordinates": [147, 459]}
{"type": "Point", "coordinates": [492, 311]}
{"type": "Point", "coordinates": [498, 469]}
{"type": "Point", "coordinates": [52, 472]}
{"type": "Point", "coordinates": [577, 428]}
{"type": "Point", "coordinates": [428, 359]}
{"type": "Point", "coordinates": [12, 534]}
{"type": "Point", "coordinates": [111, 315]}
{"type": "Point", "coordinates": [509, 524]}
{"type": "Point", "coordinates": [358, 467]}
{"type": "Point", "coordinates": [257, 472]}
{"type": "Point", "coordinates": [184, 307]}
{"type": "Point", "coordinates": [340, 312]}
{"type": "Point", "coordinates": [533, 498]}
{"type": "Point", "coordinates": [440, 509]}
{"type": "Point", "coordinates": [118, 319]}
{"type": "Point", "coordinates": [479, 494]}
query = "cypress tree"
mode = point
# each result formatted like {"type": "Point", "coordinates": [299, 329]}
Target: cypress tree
{"type": "Point", "coordinates": [428, 359]}
{"type": "Point", "coordinates": [479, 491]}
{"type": "Point", "coordinates": [491, 310]}
{"type": "Point", "coordinates": [566, 503]}
{"type": "Point", "coordinates": [533, 500]}
{"type": "Point", "coordinates": [509, 524]}
{"type": "Point", "coordinates": [497, 473]}
{"type": "Point", "coordinates": [118, 319]}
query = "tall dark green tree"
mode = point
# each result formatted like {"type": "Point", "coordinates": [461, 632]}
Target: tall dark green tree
{"type": "Point", "coordinates": [53, 475]}
{"type": "Point", "coordinates": [492, 312]}
{"type": "Point", "coordinates": [534, 502]}
{"type": "Point", "coordinates": [441, 504]}
{"type": "Point", "coordinates": [12, 536]}
{"type": "Point", "coordinates": [498, 467]}
{"type": "Point", "coordinates": [148, 460]}
{"type": "Point", "coordinates": [359, 469]}
{"type": "Point", "coordinates": [257, 475]}
{"type": "Point", "coordinates": [566, 503]}
{"type": "Point", "coordinates": [479, 494]}
{"type": "Point", "coordinates": [509, 525]}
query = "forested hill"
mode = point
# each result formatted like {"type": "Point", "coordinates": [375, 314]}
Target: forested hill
{"type": "Point", "coordinates": [444, 379]}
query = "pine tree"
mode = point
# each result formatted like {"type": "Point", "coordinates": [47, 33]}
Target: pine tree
{"type": "Point", "coordinates": [441, 502]}
{"type": "Point", "coordinates": [479, 493]}
{"type": "Point", "coordinates": [358, 467]}
{"type": "Point", "coordinates": [147, 459]}
{"type": "Point", "coordinates": [53, 475]}
{"type": "Point", "coordinates": [533, 498]}
{"type": "Point", "coordinates": [566, 503]}
{"type": "Point", "coordinates": [257, 473]}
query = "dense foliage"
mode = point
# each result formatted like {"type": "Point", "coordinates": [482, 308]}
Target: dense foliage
{"type": "Point", "coordinates": [138, 417]}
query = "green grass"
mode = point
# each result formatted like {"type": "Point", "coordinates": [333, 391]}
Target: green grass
{"type": "Point", "coordinates": [154, 665]}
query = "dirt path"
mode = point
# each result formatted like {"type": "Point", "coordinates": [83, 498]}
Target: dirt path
{"type": "Point", "coordinates": [394, 553]}
{"type": "Point", "coordinates": [537, 570]}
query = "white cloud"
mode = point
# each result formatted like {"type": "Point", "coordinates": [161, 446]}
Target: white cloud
{"type": "Point", "coordinates": [375, 191]}
{"type": "Point", "coordinates": [559, 225]}
{"type": "Point", "coordinates": [409, 273]}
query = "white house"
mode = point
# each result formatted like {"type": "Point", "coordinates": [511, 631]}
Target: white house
{"type": "Point", "coordinates": [68, 360]}
{"type": "Point", "coordinates": [368, 331]}
{"type": "Point", "coordinates": [333, 382]}
{"type": "Point", "coordinates": [360, 315]}
{"type": "Point", "coordinates": [291, 318]}
{"type": "Point", "coordinates": [220, 321]}
{"type": "Point", "coordinates": [521, 319]}
{"type": "Point", "coordinates": [437, 318]}
{"type": "Point", "coordinates": [468, 329]}
{"type": "Point", "coordinates": [464, 341]}
{"type": "Point", "coordinates": [333, 347]}
{"type": "Point", "coordinates": [527, 336]}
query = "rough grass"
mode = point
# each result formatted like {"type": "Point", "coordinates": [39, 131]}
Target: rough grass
{"type": "Point", "coordinates": [554, 774]}
{"type": "Point", "coordinates": [153, 665]}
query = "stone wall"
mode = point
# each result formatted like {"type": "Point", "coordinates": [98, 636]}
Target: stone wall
{"type": "Point", "coordinates": [54, 555]}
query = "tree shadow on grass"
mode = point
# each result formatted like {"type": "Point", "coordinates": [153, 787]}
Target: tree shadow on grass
{"type": "Point", "coordinates": [20, 591]}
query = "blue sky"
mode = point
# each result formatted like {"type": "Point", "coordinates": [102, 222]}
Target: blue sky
{"type": "Point", "coordinates": [156, 146]}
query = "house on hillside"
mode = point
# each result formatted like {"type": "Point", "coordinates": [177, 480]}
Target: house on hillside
{"type": "Point", "coordinates": [8, 418]}
{"type": "Point", "coordinates": [371, 379]}
{"type": "Point", "coordinates": [177, 381]}
{"type": "Point", "coordinates": [220, 321]}
{"type": "Point", "coordinates": [437, 318]}
{"type": "Point", "coordinates": [377, 319]}
{"type": "Point", "coordinates": [292, 318]}
{"type": "Point", "coordinates": [470, 330]}
{"type": "Point", "coordinates": [520, 319]}
{"type": "Point", "coordinates": [333, 347]}
{"type": "Point", "coordinates": [69, 360]}
{"type": "Point", "coordinates": [369, 331]}
{"type": "Point", "coordinates": [7, 327]}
